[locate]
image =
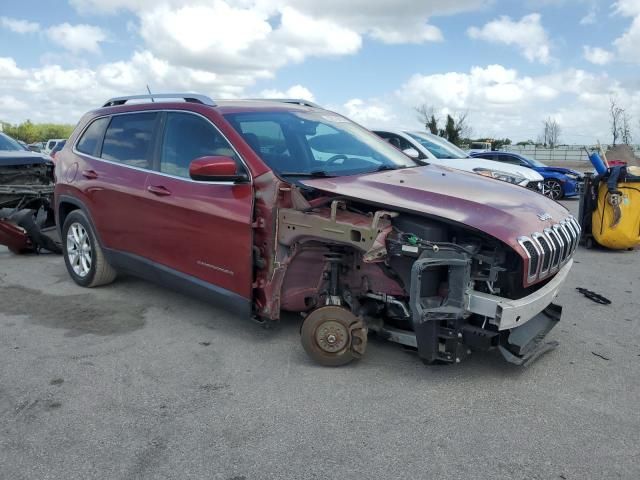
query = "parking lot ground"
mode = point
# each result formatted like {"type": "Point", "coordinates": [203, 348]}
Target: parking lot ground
{"type": "Point", "coordinates": [134, 381]}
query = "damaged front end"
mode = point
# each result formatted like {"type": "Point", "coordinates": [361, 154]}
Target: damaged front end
{"type": "Point", "coordinates": [436, 286]}
{"type": "Point", "coordinates": [27, 222]}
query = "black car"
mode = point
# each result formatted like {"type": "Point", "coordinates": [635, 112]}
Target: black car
{"type": "Point", "coordinates": [26, 194]}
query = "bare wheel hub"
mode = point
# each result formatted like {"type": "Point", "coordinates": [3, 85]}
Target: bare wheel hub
{"type": "Point", "coordinates": [331, 336]}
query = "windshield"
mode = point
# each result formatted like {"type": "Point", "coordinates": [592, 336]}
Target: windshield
{"type": "Point", "coordinates": [9, 144]}
{"type": "Point", "coordinates": [439, 148]}
{"type": "Point", "coordinates": [315, 144]}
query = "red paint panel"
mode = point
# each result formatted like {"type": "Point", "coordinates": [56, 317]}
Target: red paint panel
{"type": "Point", "coordinates": [200, 229]}
{"type": "Point", "coordinates": [13, 237]}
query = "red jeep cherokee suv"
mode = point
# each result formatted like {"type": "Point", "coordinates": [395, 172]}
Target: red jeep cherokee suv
{"type": "Point", "coordinates": [265, 206]}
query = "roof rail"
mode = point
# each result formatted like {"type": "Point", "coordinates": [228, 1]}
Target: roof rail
{"type": "Point", "coordinates": [296, 101]}
{"type": "Point", "coordinates": [187, 97]}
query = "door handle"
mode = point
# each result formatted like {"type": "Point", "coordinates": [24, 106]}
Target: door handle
{"type": "Point", "coordinates": [158, 190]}
{"type": "Point", "coordinates": [90, 174]}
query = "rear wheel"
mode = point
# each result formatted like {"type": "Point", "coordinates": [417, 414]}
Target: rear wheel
{"type": "Point", "coordinates": [553, 189]}
{"type": "Point", "coordinates": [83, 255]}
{"type": "Point", "coordinates": [333, 336]}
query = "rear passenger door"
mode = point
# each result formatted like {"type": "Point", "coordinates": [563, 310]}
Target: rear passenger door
{"type": "Point", "coordinates": [200, 229]}
{"type": "Point", "coordinates": [115, 182]}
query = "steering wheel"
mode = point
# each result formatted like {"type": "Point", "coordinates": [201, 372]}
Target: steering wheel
{"type": "Point", "coordinates": [335, 158]}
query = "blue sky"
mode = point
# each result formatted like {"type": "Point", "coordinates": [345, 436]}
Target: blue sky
{"type": "Point", "coordinates": [508, 64]}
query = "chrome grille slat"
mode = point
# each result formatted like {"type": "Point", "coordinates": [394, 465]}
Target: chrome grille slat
{"type": "Point", "coordinates": [572, 234]}
{"type": "Point", "coordinates": [563, 242]}
{"type": "Point", "coordinates": [550, 250]}
{"type": "Point", "coordinates": [558, 247]}
{"type": "Point", "coordinates": [547, 252]}
{"type": "Point", "coordinates": [568, 238]}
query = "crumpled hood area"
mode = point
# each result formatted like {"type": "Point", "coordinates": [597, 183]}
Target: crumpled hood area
{"type": "Point", "coordinates": [497, 208]}
{"type": "Point", "coordinates": [19, 157]}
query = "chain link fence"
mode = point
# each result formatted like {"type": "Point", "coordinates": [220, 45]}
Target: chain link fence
{"type": "Point", "coordinates": [571, 156]}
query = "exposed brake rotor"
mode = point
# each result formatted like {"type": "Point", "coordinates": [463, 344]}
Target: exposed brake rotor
{"type": "Point", "coordinates": [333, 336]}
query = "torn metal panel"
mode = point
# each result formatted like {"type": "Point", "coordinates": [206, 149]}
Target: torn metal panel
{"type": "Point", "coordinates": [335, 224]}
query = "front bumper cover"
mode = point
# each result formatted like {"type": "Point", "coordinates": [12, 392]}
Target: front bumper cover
{"type": "Point", "coordinates": [467, 319]}
{"type": "Point", "coordinates": [507, 314]}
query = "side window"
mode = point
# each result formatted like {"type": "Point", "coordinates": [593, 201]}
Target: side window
{"type": "Point", "coordinates": [129, 139]}
{"type": "Point", "coordinates": [187, 137]}
{"type": "Point", "coordinates": [404, 144]}
{"type": "Point", "coordinates": [509, 159]}
{"type": "Point", "coordinates": [397, 141]}
{"type": "Point", "coordinates": [91, 139]}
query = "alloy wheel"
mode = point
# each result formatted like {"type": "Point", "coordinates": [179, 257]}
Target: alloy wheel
{"type": "Point", "coordinates": [552, 189]}
{"type": "Point", "coordinates": [79, 250]}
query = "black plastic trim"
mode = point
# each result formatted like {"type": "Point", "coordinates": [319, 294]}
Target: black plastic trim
{"type": "Point", "coordinates": [178, 281]}
{"type": "Point", "coordinates": [78, 203]}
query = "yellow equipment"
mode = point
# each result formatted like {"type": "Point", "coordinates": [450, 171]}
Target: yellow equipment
{"type": "Point", "coordinates": [615, 222]}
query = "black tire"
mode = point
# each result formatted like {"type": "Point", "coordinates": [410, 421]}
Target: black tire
{"type": "Point", "coordinates": [553, 189]}
{"type": "Point", "coordinates": [99, 272]}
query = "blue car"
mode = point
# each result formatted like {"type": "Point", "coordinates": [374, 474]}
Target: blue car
{"type": "Point", "coordinates": [559, 182]}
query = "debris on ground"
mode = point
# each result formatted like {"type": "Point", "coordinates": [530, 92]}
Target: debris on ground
{"type": "Point", "coordinates": [601, 356]}
{"type": "Point", "coordinates": [594, 296]}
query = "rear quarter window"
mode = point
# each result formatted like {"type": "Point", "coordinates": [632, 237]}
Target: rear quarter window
{"type": "Point", "coordinates": [91, 140]}
{"type": "Point", "coordinates": [129, 139]}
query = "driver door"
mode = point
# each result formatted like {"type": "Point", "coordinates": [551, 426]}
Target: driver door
{"type": "Point", "coordinates": [198, 229]}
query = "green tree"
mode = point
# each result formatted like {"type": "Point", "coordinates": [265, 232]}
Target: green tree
{"type": "Point", "coordinates": [432, 125]}
{"type": "Point", "coordinates": [30, 132]}
{"type": "Point", "coordinates": [452, 131]}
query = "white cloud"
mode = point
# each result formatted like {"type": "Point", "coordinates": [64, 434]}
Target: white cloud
{"type": "Point", "coordinates": [527, 34]}
{"type": "Point", "coordinates": [53, 93]}
{"type": "Point", "coordinates": [492, 87]}
{"type": "Point", "coordinates": [597, 55]}
{"type": "Point", "coordinates": [77, 38]}
{"type": "Point", "coordinates": [627, 44]}
{"type": "Point", "coordinates": [425, 33]}
{"type": "Point", "coordinates": [11, 104]}
{"type": "Point", "coordinates": [372, 114]}
{"type": "Point", "coordinates": [19, 26]}
{"type": "Point", "coordinates": [628, 8]}
{"type": "Point", "coordinates": [296, 91]}
{"type": "Point", "coordinates": [590, 18]}
{"type": "Point", "coordinates": [503, 103]}
{"type": "Point", "coordinates": [9, 69]}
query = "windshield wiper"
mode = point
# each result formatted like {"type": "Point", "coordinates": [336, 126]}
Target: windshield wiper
{"type": "Point", "coordinates": [314, 174]}
{"type": "Point", "coordinates": [383, 168]}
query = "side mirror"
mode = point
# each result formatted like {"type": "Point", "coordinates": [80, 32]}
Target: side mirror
{"type": "Point", "coordinates": [215, 168]}
{"type": "Point", "coordinates": [412, 153]}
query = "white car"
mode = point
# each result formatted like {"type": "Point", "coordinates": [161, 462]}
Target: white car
{"type": "Point", "coordinates": [51, 144]}
{"type": "Point", "coordinates": [422, 146]}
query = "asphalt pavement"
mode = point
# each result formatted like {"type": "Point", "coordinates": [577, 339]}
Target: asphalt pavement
{"type": "Point", "coordinates": [135, 381]}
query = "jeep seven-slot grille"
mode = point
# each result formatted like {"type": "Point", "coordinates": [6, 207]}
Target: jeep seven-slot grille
{"type": "Point", "coordinates": [549, 250]}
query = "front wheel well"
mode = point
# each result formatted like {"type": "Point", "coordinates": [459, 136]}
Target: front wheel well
{"type": "Point", "coordinates": [64, 209]}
